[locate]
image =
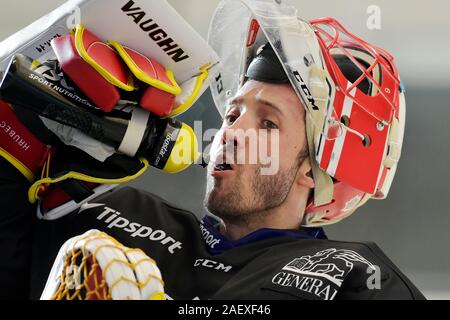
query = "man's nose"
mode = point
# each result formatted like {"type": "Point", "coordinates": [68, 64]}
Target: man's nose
{"type": "Point", "coordinates": [230, 138]}
{"type": "Point", "coordinates": [234, 134]}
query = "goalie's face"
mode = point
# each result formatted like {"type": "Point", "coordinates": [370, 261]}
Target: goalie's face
{"type": "Point", "coordinates": [259, 157]}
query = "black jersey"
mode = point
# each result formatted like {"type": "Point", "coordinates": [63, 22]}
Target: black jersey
{"type": "Point", "coordinates": [197, 262]}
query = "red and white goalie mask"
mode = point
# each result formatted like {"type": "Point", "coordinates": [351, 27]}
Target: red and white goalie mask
{"type": "Point", "coordinates": [351, 90]}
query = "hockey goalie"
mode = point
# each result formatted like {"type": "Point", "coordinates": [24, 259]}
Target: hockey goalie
{"type": "Point", "coordinates": [96, 108]}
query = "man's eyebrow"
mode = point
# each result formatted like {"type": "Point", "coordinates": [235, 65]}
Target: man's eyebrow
{"type": "Point", "coordinates": [270, 105]}
{"type": "Point", "coordinates": [233, 102]}
{"type": "Point", "coordinates": [238, 100]}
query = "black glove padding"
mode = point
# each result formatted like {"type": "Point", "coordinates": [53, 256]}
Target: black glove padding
{"type": "Point", "coordinates": [70, 177]}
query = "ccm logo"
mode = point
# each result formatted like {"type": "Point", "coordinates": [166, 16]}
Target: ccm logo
{"type": "Point", "coordinates": [305, 89]}
{"type": "Point", "coordinates": [212, 265]}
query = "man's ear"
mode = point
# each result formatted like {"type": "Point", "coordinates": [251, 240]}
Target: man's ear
{"type": "Point", "coordinates": [304, 174]}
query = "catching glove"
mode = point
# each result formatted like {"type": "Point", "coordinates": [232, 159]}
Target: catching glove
{"type": "Point", "coordinates": [95, 266]}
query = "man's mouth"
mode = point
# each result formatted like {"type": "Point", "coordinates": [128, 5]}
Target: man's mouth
{"type": "Point", "coordinates": [223, 167]}
{"type": "Point", "coordinates": [223, 164]}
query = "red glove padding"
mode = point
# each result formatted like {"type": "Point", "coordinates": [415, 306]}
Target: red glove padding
{"type": "Point", "coordinates": [155, 100]}
{"type": "Point", "coordinates": [18, 145]}
{"type": "Point", "coordinates": [102, 93]}
{"type": "Point", "coordinates": [99, 72]}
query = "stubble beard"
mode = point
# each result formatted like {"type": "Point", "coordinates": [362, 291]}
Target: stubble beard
{"type": "Point", "coordinates": [266, 192]}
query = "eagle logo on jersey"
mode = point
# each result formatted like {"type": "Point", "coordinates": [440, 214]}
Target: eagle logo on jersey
{"type": "Point", "coordinates": [320, 274]}
{"type": "Point", "coordinates": [332, 264]}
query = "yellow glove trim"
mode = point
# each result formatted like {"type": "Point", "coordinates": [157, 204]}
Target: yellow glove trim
{"type": "Point", "coordinates": [195, 93]}
{"type": "Point", "coordinates": [158, 296]}
{"type": "Point", "coordinates": [17, 164]}
{"type": "Point", "coordinates": [34, 189]}
{"type": "Point", "coordinates": [79, 30]}
{"type": "Point", "coordinates": [174, 88]}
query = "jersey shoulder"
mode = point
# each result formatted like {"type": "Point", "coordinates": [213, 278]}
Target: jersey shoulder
{"type": "Point", "coordinates": [357, 270]}
{"type": "Point", "coordinates": [132, 200]}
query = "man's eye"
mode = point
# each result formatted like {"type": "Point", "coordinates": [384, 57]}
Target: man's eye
{"type": "Point", "coordinates": [269, 124]}
{"type": "Point", "coordinates": [230, 119]}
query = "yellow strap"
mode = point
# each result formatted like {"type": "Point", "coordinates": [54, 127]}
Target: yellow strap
{"type": "Point", "coordinates": [34, 189]}
{"type": "Point", "coordinates": [198, 85]}
{"type": "Point", "coordinates": [45, 173]}
{"type": "Point", "coordinates": [17, 164]}
{"type": "Point", "coordinates": [79, 30]}
{"type": "Point", "coordinates": [172, 88]}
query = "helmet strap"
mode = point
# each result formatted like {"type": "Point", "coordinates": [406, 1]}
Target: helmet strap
{"type": "Point", "coordinates": [323, 189]}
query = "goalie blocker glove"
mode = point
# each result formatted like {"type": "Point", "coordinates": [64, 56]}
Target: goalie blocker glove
{"type": "Point", "coordinates": [164, 143]}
